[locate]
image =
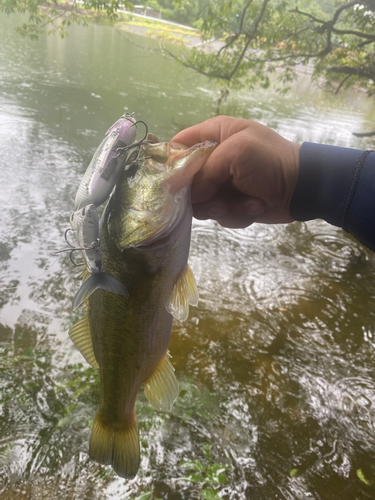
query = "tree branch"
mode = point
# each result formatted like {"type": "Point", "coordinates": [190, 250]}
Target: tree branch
{"type": "Point", "coordinates": [236, 36]}
{"type": "Point", "coordinates": [331, 22]}
{"type": "Point", "coordinates": [365, 42]}
{"type": "Point", "coordinates": [297, 11]}
{"type": "Point", "coordinates": [351, 70]}
{"type": "Point", "coordinates": [370, 37]}
{"type": "Point", "coordinates": [250, 38]}
{"type": "Point", "coordinates": [195, 68]}
{"type": "Point", "coordinates": [342, 7]}
{"type": "Point", "coordinates": [52, 19]}
{"type": "Point", "coordinates": [342, 83]}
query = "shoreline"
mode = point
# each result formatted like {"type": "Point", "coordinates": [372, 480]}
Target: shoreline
{"type": "Point", "coordinates": [159, 29]}
{"type": "Point", "coordinates": [166, 30]}
{"type": "Point", "coordinates": [171, 32]}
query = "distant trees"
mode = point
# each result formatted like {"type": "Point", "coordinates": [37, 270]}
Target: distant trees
{"type": "Point", "coordinates": [260, 36]}
{"type": "Point", "coordinates": [180, 11]}
{"type": "Point", "coordinates": [257, 37]}
{"type": "Point", "coordinates": [43, 14]}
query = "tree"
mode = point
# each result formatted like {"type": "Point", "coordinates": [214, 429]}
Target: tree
{"type": "Point", "coordinates": [43, 14]}
{"type": "Point", "coordinates": [257, 37]}
{"type": "Point", "coordinates": [262, 35]}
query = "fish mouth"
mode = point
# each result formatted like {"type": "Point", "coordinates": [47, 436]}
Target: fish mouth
{"type": "Point", "coordinates": [158, 197]}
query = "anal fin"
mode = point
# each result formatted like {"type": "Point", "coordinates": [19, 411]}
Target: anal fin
{"type": "Point", "coordinates": [81, 336]}
{"type": "Point", "coordinates": [161, 389]}
{"type": "Point", "coordinates": [185, 292]}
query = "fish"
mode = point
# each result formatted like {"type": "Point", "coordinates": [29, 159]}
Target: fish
{"type": "Point", "coordinates": [145, 233]}
{"type": "Point", "coordinates": [105, 167]}
{"type": "Point", "coordinates": [85, 227]}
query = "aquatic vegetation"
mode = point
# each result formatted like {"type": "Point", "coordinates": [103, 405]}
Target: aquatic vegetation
{"type": "Point", "coordinates": [206, 473]}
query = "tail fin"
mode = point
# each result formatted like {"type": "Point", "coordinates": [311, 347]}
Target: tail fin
{"type": "Point", "coordinates": [95, 281]}
{"type": "Point", "coordinates": [119, 448]}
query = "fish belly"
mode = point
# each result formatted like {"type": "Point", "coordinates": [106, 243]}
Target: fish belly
{"type": "Point", "coordinates": [130, 339]}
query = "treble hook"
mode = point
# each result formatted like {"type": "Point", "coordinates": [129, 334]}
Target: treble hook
{"type": "Point", "coordinates": [71, 250]}
{"type": "Point", "coordinates": [66, 237]}
{"type": "Point", "coordinates": [93, 246]}
{"type": "Point", "coordinates": [68, 243]}
{"type": "Point", "coordinates": [72, 261]}
{"type": "Point", "coordinates": [121, 151]}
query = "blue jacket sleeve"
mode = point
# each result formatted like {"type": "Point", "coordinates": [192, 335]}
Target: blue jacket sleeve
{"type": "Point", "coordinates": [337, 185]}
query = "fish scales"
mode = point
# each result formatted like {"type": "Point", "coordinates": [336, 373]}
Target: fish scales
{"type": "Point", "coordinates": [144, 244]}
{"type": "Point", "coordinates": [137, 330]}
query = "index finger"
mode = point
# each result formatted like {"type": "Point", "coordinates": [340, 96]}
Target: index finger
{"type": "Point", "coordinates": [214, 129]}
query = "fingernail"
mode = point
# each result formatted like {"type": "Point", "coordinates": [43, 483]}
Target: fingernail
{"type": "Point", "coordinates": [255, 209]}
{"type": "Point", "coordinates": [216, 210]}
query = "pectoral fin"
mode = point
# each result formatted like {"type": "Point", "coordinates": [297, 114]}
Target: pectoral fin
{"type": "Point", "coordinates": [81, 336]}
{"type": "Point", "coordinates": [185, 292]}
{"type": "Point", "coordinates": [98, 280]}
{"type": "Point", "coordinates": [161, 388]}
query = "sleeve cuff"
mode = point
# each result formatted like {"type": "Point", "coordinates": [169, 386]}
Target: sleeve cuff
{"type": "Point", "coordinates": [338, 185]}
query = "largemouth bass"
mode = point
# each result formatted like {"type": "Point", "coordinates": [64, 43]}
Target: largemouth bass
{"type": "Point", "coordinates": [144, 243]}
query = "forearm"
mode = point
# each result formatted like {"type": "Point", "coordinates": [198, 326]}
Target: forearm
{"type": "Point", "coordinates": [337, 185]}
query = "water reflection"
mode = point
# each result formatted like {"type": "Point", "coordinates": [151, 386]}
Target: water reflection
{"type": "Point", "coordinates": [276, 364]}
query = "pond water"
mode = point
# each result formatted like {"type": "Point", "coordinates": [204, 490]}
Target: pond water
{"type": "Point", "coordinates": [276, 364]}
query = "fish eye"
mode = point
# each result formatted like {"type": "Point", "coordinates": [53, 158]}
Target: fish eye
{"type": "Point", "coordinates": [131, 169]}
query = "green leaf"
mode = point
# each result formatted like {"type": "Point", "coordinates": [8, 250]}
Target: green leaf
{"type": "Point", "coordinates": [145, 496]}
{"type": "Point", "coordinates": [216, 477]}
{"type": "Point", "coordinates": [222, 479]}
{"type": "Point", "coordinates": [362, 478]}
{"type": "Point", "coordinates": [218, 468]}
{"type": "Point", "coordinates": [206, 448]}
{"type": "Point", "coordinates": [196, 465]}
{"type": "Point", "coordinates": [210, 494]}
{"type": "Point", "coordinates": [195, 478]}
{"type": "Point", "coordinates": [293, 472]}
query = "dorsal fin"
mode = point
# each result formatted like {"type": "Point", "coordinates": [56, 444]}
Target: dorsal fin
{"type": "Point", "coordinates": [161, 388]}
{"type": "Point", "coordinates": [81, 336]}
{"type": "Point", "coordinates": [185, 292]}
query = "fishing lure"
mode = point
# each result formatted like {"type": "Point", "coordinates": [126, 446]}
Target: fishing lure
{"type": "Point", "coordinates": [108, 160]}
{"type": "Point", "coordinates": [85, 227]}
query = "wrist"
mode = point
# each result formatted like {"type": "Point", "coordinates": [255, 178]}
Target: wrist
{"type": "Point", "coordinates": [324, 180]}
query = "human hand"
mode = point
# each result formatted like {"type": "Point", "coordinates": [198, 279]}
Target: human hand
{"type": "Point", "coordinates": [250, 177]}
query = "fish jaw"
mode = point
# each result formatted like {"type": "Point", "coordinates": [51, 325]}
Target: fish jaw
{"type": "Point", "coordinates": [147, 208]}
{"type": "Point", "coordinates": [185, 163]}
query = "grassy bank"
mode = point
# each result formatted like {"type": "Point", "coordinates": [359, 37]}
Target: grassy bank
{"type": "Point", "coordinates": [149, 27]}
